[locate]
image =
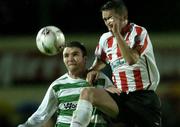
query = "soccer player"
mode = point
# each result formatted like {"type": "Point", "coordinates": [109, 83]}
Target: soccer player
{"type": "Point", "coordinates": [63, 93]}
{"type": "Point", "coordinates": [129, 51]}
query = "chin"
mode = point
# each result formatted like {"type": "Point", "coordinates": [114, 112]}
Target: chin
{"type": "Point", "coordinates": [72, 69]}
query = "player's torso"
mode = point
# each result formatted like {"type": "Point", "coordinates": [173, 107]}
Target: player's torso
{"type": "Point", "coordinates": [126, 77]}
{"type": "Point", "coordinates": [68, 95]}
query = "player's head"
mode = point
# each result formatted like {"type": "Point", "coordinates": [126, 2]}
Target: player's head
{"type": "Point", "coordinates": [74, 56]}
{"type": "Point", "coordinates": [77, 44]}
{"type": "Point", "coordinates": [114, 10]}
{"type": "Point", "coordinates": [117, 5]}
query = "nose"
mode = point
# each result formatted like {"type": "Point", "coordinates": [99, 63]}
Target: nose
{"type": "Point", "coordinates": [70, 57]}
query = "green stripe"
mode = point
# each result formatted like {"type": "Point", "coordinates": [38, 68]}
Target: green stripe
{"type": "Point", "coordinates": [70, 85]}
{"type": "Point", "coordinates": [68, 112]}
{"type": "Point", "coordinates": [69, 98]}
{"type": "Point", "coordinates": [62, 125]}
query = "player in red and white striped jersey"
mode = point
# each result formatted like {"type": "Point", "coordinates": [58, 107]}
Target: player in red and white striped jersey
{"type": "Point", "coordinates": [127, 76]}
{"type": "Point", "coordinates": [128, 49]}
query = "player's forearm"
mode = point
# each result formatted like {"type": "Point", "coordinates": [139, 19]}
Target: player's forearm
{"type": "Point", "coordinates": [130, 55]}
{"type": "Point", "coordinates": [97, 65]}
{"type": "Point", "coordinates": [46, 109]}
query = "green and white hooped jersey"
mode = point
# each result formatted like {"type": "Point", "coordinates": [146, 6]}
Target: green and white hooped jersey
{"type": "Point", "coordinates": [67, 91]}
{"type": "Point", "coordinates": [62, 97]}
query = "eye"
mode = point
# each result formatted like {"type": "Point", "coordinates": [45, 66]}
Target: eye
{"type": "Point", "coordinates": [66, 55]}
{"type": "Point", "coordinates": [75, 54]}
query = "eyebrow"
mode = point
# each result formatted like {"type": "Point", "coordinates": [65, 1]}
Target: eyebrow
{"type": "Point", "coordinates": [71, 52]}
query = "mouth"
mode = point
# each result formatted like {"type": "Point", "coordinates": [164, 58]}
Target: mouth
{"type": "Point", "coordinates": [71, 64]}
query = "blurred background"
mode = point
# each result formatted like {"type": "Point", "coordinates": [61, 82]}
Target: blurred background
{"type": "Point", "coordinates": [25, 73]}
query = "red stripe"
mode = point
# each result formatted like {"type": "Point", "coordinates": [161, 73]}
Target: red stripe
{"type": "Point", "coordinates": [103, 56]}
{"type": "Point", "coordinates": [138, 79]}
{"type": "Point", "coordinates": [118, 52]}
{"type": "Point", "coordinates": [110, 42]}
{"type": "Point", "coordinates": [127, 38]}
{"type": "Point", "coordinates": [144, 46]}
{"type": "Point", "coordinates": [123, 79]}
{"type": "Point", "coordinates": [138, 30]}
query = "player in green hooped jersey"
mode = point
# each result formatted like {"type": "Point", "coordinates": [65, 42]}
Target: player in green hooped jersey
{"type": "Point", "coordinates": [63, 94]}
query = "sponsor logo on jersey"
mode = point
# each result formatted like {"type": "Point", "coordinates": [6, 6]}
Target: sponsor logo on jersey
{"type": "Point", "coordinates": [70, 105]}
{"type": "Point", "coordinates": [117, 63]}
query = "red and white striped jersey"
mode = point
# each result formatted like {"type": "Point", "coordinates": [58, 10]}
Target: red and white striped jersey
{"type": "Point", "coordinates": [142, 75]}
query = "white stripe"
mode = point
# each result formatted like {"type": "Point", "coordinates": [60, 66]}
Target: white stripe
{"type": "Point", "coordinates": [68, 91]}
{"type": "Point", "coordinates": [64, 119]}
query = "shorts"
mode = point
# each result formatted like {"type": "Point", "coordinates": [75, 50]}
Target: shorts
{"type": "Point", "coordinates": [141, 108]}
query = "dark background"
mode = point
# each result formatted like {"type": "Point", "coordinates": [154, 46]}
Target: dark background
{"type": "Point", "coordinates": [26, 16]}
{"type": "Point", "coordinates": [25, 73]}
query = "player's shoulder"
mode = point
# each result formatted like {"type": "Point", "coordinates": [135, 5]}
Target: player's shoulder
{"type": "Point", "coordinates": [138, 27]}
{"type": "Point", "coordinates": [60, 80]}
{"type": "Point", "coordinates": [106, 35]}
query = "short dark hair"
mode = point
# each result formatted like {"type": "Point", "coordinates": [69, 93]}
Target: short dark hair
{"type": "Point", "coordinates": [117, 5]}
{"type": "Point", "coordinates": [77, 44]}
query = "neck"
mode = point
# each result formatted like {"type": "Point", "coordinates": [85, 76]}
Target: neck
{"type": "Point", "coordinates": [78, 74]}
{"type": "Point", "coordinates": [125, 29]}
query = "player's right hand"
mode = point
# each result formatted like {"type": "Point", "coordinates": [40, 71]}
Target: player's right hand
{"type": "Point", "coordinates": [92, 76]}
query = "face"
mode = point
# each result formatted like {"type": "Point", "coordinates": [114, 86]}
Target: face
{"type": "Point", "coordinates": [110, 16]}
{"type": "Point", "coordinates": [74, 59]}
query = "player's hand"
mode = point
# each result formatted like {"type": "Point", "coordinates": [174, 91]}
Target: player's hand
{"type": "Point", "coordinates": [117, 25]}
{"type": "Point", "coordinates": [92, 76]}
{"type": "Point", "coordinates": [113, 89]}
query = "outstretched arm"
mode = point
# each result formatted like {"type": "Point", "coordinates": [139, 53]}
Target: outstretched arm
{"type": "Point", "coordinates": [46, 109]}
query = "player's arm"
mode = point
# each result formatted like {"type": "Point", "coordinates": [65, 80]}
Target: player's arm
{"type": "Point", "coordinates": [97, 65]}
{"type": "Point", "coordinates": [131, 55]}
{"type": "Point", "coordinates": [46, 109]}
{"type": "Point", "coordinates": [93, 73]}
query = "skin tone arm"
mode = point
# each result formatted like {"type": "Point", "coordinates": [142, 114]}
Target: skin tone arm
{"type": "Point", "coordinates": [130, 55]}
